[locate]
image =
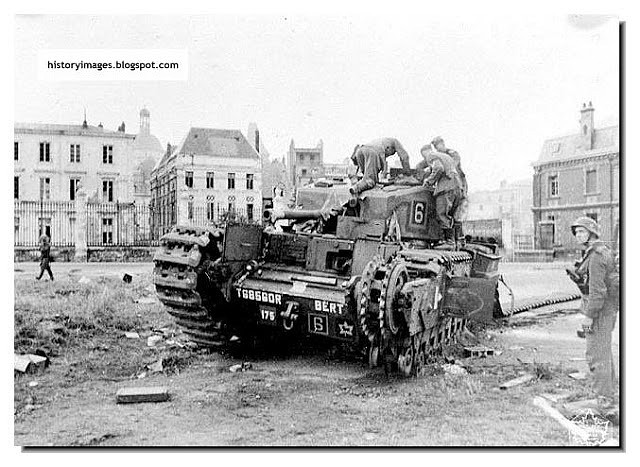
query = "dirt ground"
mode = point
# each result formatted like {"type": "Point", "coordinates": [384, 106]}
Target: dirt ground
{"type": "Point", "coordinates": [313, 397]}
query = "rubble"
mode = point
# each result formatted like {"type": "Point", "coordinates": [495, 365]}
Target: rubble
{"type": "Point", "coordinates": [142, 394]}
{"type": "Point", "coordinates": [453, 369]}
{"type": "Point", "coordinates": [517, 381]}
{"type": "Point", "coordinates": [146, 301]}
{"type": "Point", "coordinates": [240, 367]}
{"type": "Point", "coordinates": [154, 340]}
{"type": "Point", "coordinates": [132, 335]}
{"type": "Point", "coordinates": [29, 363]}
{"type": "Point", "coordinates": [478, 351]}
{"type": "Point", "coordinates": [84, 280]}
{"type": "Point", "coordinates": [127, 278]}
{"type": "Point", "coordinates": [580, 376]}
{"type": "Point", "coordinates": [156, 367]}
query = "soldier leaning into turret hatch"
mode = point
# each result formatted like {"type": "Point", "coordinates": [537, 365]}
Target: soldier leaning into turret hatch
{"type": "Point", "coordinates": [441, 176]}
{"type": "Point", "coordinates": [459, 214]}
{"type": "Point", "coordinates": [371, 160]}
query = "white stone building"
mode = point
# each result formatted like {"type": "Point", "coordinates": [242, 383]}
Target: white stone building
{"type": "Point", "coordinates": [211, 172]}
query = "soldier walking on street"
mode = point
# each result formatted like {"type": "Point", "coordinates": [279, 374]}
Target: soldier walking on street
{"type": "Point", "coordinates": [438, 144]}
{"type": "Point", "coordinates": [441, 176]}
{"type": "Point", "coordinates": [371, 160]}
{"type": "Point", "coordinates": [598, 275]}
{"type": "Point", "coordinates": [45, 256]}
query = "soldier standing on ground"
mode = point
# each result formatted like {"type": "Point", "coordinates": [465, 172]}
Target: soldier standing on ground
{"type": "Point", "coordinates": [441, 176]}
{"type": "Point", "coordinates": [371, 160]}
{"type": "Point", "coordinates": [600, 303]}
{"type": "Point", "coordinates": [438, 144]}
{"type": "Point", "coordinates": [45, 256]}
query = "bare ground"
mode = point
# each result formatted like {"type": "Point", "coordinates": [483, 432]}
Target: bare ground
{"type": "Point", "coordinates": [310, 398]}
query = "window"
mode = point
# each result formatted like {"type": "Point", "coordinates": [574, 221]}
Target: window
{"type": "Point", "coordinates": [188, 179]}
{"type": "Point", "coordinates": [593, 215]}
{"type": "Point", "coordinates": [232, 206]}
{"type": "Point", "coordinates": [107, 230]}
{"type": "Point", "coordinates": [190, 209]}
{"type": "Point", "coordinates": [45, 155]}
{"type": "Point", "coordinates": [231, 181]}
{"type": "Point", "coordinates": [45, 188]}
{"type": "Point", "coordinates": [107, 190]}
{"type": "Point", "coordinates": [16, 187]}
{"type": "Point", "coordinates": [250, 212]}
{"type": "Point", "coordinates": [591, 181]}
{"type": "Point", "coordinates": [74, 153]}
{"type": "Point", "coordinates": [16, 227]}
{"type": "Point", "coordinates": [304, 172]}
{"type": "Point", "coordinates": [74, 184]}
{"type": "Point", "coordinates": [249, 181]}
{"type": "Point", "coordinates": [210, 210]}
{"type": "Point", "coordinates": [553, 185]}
{"type": "Point", "coordinates": [16, 150]}
{"type": "Point", "coordinates": [210, 180]}
{"type": "Point", "coordinates": [107, 154]}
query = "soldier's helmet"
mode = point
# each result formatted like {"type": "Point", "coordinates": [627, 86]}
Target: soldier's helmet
{"type": "Point", "coordinates": [587, 223]}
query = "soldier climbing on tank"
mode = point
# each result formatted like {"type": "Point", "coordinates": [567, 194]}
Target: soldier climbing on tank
{"type": "Point", "coordinates": [597, 275]}
{"type": "Point", "coordinates": [440, 176]}
{"type": "Point", "coordinates": [371, 160]}
{"type": "Point", "coordinates": [459, 215]}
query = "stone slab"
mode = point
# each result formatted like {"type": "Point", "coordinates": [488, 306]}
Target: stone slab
{"type": "Point", "coordinates": [142, 394]}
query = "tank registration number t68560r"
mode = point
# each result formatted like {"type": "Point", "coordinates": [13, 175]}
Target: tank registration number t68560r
{"type": "Point", "coordinates": [260, 296]}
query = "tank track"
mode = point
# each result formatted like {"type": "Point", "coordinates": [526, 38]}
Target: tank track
{"type": "Point", "coordinates": [390, 342]}
{"type": "Point", "coordinates": [183, 277]}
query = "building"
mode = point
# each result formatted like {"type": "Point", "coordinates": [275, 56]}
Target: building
{"type": "Point", "coordinates": [211, 174]}
{"type": "Point", "coordinates": [339, 170]}
{"type": "Point", "coordinates": [146, 151]}
{"type": "Point", "coordinates": [305, 164]}
{"type": "Point", "coordinates": [51, 161]}
{"type": "Point", "coordinates": [577, 175]}
{"type": "Point", "coordinates": [511, 203]}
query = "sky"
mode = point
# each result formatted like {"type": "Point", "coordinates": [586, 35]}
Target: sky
{"type": "Point", "coordinates": [493, 87]}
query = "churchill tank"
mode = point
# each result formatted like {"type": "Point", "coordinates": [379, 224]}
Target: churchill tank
{"type": "Point", "coordinates": [373, 275]}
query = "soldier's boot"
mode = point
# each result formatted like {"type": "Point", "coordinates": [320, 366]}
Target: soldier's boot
{"type": "Point", "coordinates": [449, 241]}
{"type": "Point", "coordinates": [459, 235]}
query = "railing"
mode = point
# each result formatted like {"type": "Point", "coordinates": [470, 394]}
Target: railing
{"type": "Point", "coordinates": [108, 224]}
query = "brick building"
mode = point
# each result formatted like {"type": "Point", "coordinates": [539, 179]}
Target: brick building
{"type": "Point", "coordinates": [210, 174]}
{"type": "Point", "coordinates": [577, 175]}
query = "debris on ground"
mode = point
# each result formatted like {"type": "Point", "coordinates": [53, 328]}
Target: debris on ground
{"type": "Point", "coordinates": [29, 363]}
{"type": "Point", "coordinates": [132, 335]}
{"type": "Point", "coordinates": [556, 397]}
{"type": "Point", "coordinates": [142, 394]}
{"type": "Point", "coordinates": [146, 301]}
{"type": "Point", "coordinates": [127, 278]}
{"type": "Point", "coordinates": [578, 376]}
{"type": "Point", "coordinates": [33, 384]}
{"type": "Point", "coordinates": [575, 430]}
{"type": "Point", "coordinates": [84, 280]}
{"type": "Point", "coordinates": [517, 381]}
{"type": "Point", "coordinates": [478, 351]}
{"type": "Point", "coordinates": [453, 369]}
{"type": "Point", "coordinates": [154, 340]}
{"type": "Point", "coordinates": [156, 367]}
{"type": "Point", "coordinates": [240, 367]}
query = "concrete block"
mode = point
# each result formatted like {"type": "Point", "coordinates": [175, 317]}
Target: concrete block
{"type": "Point", "coordinates": [142, 394]}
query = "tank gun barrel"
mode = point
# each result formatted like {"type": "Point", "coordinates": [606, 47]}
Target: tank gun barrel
{"type": "Point", "coordinates": [272, 215]}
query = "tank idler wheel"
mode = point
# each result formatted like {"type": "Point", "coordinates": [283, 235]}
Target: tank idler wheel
{"type": "Point", "coordinates": [395, 278]}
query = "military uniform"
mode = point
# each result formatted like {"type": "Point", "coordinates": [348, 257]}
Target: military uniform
{"type": "Point", "coordinates": [442, 175]}
{"type": "Point", "coordinates": [461, 210]}
{"type": "Point", "coordinates": [600, 302]}
{"type": "Point", "coordinates": [371, 160]}
{"type": "Point", "coordinates": [45, 257]}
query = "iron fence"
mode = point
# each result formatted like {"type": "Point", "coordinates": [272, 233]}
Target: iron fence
{"type": "Point", "coordinates": [119, 224]}
{"type": "Point", "coordinates": [34, 218]}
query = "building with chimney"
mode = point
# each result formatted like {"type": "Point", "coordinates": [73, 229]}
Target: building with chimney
{"type": "Point", "coordinates": [577, 175]}
{"type": "Point", "coordinates": [210, 175]}
{"type": "Point", "coordinates": [305, 164]}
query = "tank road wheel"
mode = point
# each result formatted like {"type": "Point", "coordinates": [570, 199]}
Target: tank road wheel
{"type": "Point", "coordinates": [395, 278]}
{"type": "Point", "coordinates": [406, 361]}
{"type": "Point", "coordinates": [368, 317]}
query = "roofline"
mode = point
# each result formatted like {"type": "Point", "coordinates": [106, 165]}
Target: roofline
{"type": "Point", "coordinates": [79, 132]}
{"type": "Point", "coordinates": [570, 135]}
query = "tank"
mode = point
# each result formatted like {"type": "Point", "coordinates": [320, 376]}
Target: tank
{"type": "Point", "coordinates": [373, 275]}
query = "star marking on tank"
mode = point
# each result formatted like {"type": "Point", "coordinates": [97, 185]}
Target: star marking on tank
{"type": "Point", "coordinates": [346, 329]}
